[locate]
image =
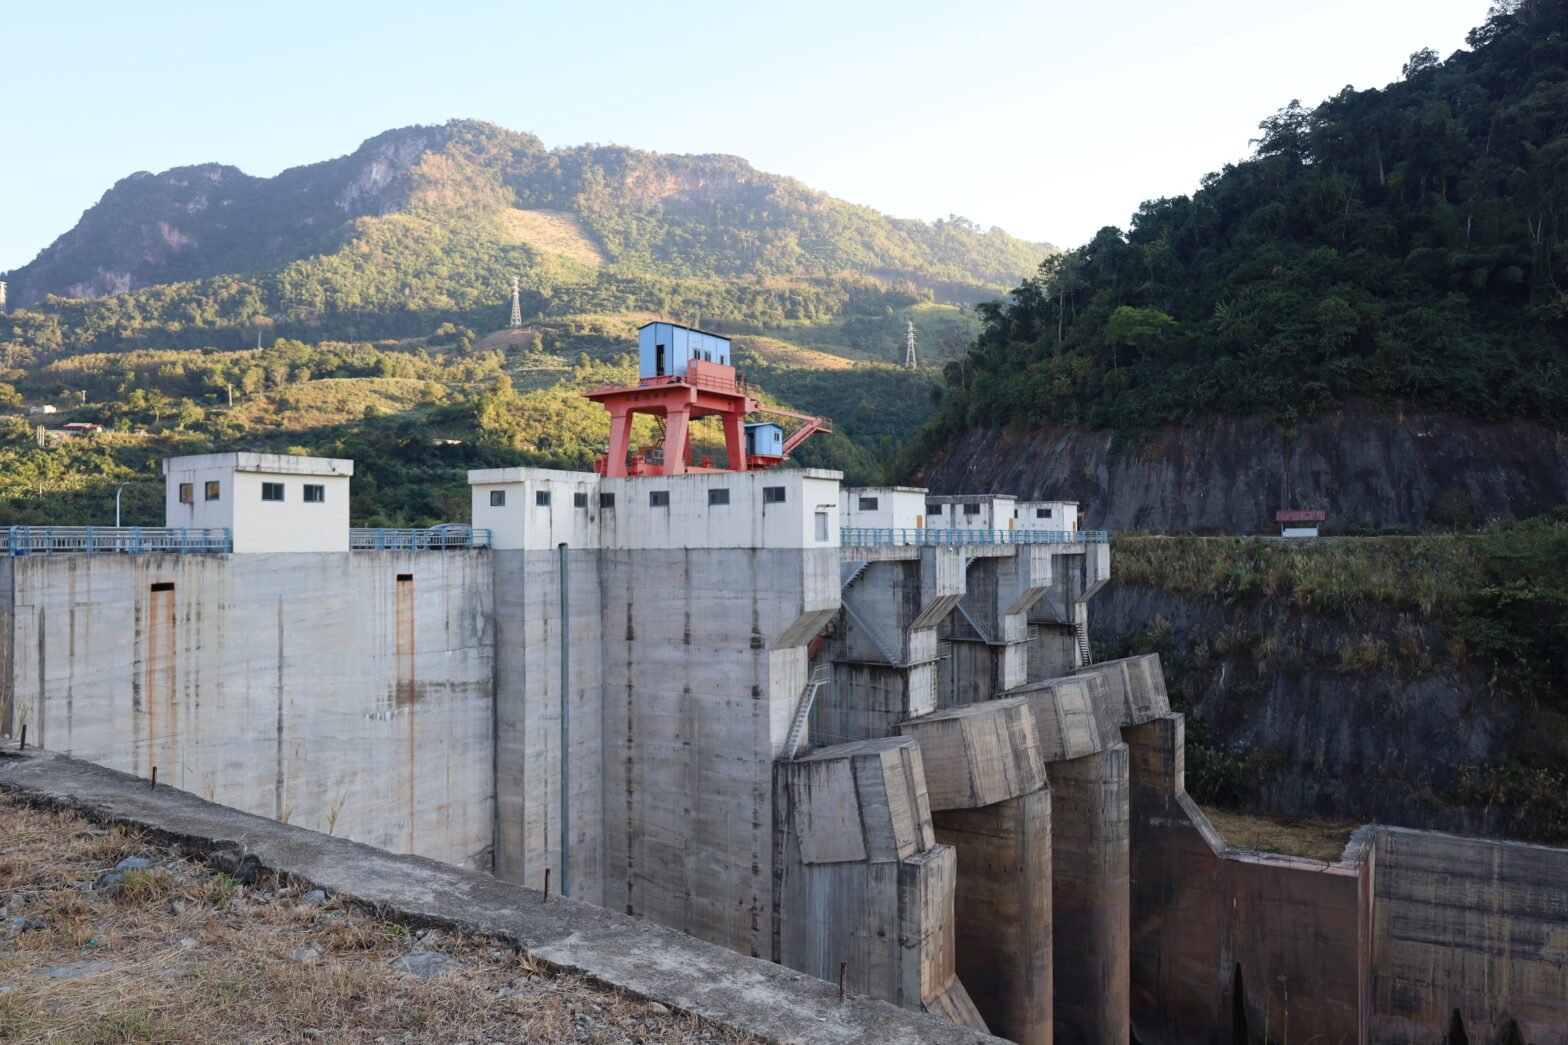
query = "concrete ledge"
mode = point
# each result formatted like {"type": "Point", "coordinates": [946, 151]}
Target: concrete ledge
{"type": "Point", "coordinates": [649, 961]}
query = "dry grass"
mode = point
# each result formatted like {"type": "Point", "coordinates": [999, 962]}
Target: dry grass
{"type": "Point", "coordinates": [552, 232]}
{"type": "Point", "coordinates": [785, 353]}
{"type": "Point", "coordinates": [333, 401]}
{"type": "Point", "coordinates": [186, 955]}
{"type": "Point", "coordinates": [1296, 836]}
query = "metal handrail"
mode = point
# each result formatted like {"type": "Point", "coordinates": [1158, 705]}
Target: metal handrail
{"type": "Point", "coordinates": [436, 538]}
{"type": "Point", "coordinates": [113, 540]}
{"type": "Point", "coordinates": [863, 537]}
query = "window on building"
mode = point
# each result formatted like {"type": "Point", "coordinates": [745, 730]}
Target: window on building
{"type": "Point", "coordinates": [607, 500]}
{"type": "Point", "coordinates": [542, 498]}
{"type": "Point", "coordinates": [187, 493]}
{"type": "Point", "coordinates": [162, 585]}
{"type": "Point", "coordinates": [213, 489]}
{"type": "Point", "coordinates": [933, 509]}
{"type": "Point", "coordinates": [498, 498]}
{"type": "Point", "coordinates": [579, 500]}
{"type": "Point", "coordinates": [272, 491]}
{"type": "Point", "coordinates": [315, 493]}
{"type": "Point", "coordinates": [773, 495]}
{"type": "Point", "coordinates": [1042, 513]}
{"type": "Point", "coordinates": [822, 526]}
{"type": "Point", "coordinates": [868, 504]}
{"type": "Point", "coordinates": [971, 508]}
{"type": "Point", "coordinates": [658, 498]}
{"type": "Point", "coordinates": [718, 497]}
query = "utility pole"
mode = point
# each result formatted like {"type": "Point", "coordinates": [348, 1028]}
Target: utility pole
{"type": "Point", "coordinates": [909, 347]}
{"type": "Point", "coordinates": [517, 306]}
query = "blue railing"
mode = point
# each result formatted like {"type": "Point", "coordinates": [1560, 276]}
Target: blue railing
{"type": "Point", "coordinates": [113, 540]}
{"type": "Point", "coordinates": [858, 537]}
{"type": "Point", "coordinates": [437, 538]}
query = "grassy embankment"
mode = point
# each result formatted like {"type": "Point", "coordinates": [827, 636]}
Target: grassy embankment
{"type": "Point", "coordinates": [170, 951]}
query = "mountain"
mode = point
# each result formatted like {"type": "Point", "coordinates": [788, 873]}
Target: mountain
{"type": "Point", "coordinates": [206, 220]}
{"type": "Point", "coordinates": [1398, 253]}
{"type": "Point", "coordinates": [150, 317]}
{"type": "Point", "coordinates": [426, 225]}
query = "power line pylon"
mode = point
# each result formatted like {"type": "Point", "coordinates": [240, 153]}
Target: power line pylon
{"type": "Point", "coordinates": [517, 306]}
{"type": "Point", "coordinates": [909, 347]}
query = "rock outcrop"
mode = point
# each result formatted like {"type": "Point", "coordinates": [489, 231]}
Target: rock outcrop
{"type": "Point", "coordinates": [1368, 469]}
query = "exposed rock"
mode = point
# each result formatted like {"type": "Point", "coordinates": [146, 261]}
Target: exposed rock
{"type": "Point", "coordinates": [109, 880]}
{"type": "Point", "coordinates": [74, 970]}
{"type": "Point", "coordinates": [426, 964]}
{"type": "Point", "coordinates": [1364, 467]}
{"type": "Point", "coordinates": [1375, 744]}
{"type": "Point", "coordinates": [133, 863]}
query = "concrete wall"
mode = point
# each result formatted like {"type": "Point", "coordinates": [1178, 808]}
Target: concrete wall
{"type": "Point", "coordinates": [1293, 933]}
{"type": "Point", "coordinates": [1472, 926]}
{"type": "Point", "coordinates": [10, 709]}
{"type": "Point", "coordinates": [319, 689]}
{"type": "Point", "coordinates": [704, 666]}
{"type": "Point", "coordinates": [530, 630]}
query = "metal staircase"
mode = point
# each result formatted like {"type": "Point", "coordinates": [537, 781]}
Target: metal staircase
{"type": "Point", "coordinates": [985, 636]}
{"type": "Point", "coordinates": [1081, 634]}
{"type": "Point", "coordinates": [872, 633]}
{"type": "Point", "coordinates": [796, 739]}
{"type": "Point", "coordinates": [849, 573]}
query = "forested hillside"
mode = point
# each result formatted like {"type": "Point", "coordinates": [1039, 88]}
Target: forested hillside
{"type": "Point", "coordinates": [379, 281]}
{"type": "Point", "coordinates": [1406, 246]}
{"type": "Point", "coordinates": [429, 225]}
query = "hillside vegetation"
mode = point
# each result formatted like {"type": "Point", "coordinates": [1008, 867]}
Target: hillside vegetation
{"type": "Point", "coordinates": [1405, 245]}
{"type": "Point", "coordinates": [1418, 679]}
{"type": "Point", "coordinates": [150, 315]}
{"type": "Point", "coordinates": [428, 225]}
{"type": "Point", "coordinates": [414, 416]}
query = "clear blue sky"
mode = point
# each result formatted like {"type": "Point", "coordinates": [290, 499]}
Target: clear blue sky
{"type": "Point", "coordinates": [1049, 119]}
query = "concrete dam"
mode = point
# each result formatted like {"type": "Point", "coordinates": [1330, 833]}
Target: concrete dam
{"type": "Point", "coordinates": [856, 732]}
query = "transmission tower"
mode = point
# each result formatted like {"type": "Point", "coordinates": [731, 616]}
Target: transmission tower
{"type": "Point", "coordinates": [517, 306]}
{"type": "Point", "coordinates": [2, 295]}
{"type": "Point", "coordinates": [909, 347]}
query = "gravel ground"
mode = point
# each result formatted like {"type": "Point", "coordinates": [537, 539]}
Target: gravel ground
{"type": "Point", "coordinates": [105, 937]}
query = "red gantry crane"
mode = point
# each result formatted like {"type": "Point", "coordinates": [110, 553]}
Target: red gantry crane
{"type": "Point", "coordinates": [685, 374]}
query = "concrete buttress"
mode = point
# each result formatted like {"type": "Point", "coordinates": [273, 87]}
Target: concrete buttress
{"type": "Point", "coordinates": [1090, 892]}
{"type": "Point", "coordinates": [861, 884]}
{"type": "Point", "coordinates": [985, 780]}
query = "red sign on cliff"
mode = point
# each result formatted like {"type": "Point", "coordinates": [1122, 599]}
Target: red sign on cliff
{"type": "Point", "coordinates": [1300, 515]}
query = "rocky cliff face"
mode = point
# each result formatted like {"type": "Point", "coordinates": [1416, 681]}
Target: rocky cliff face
{"type": "Point", "coordinates": [1307, 715]}
{"type": "Point", "coordinates": [1366, 468]}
